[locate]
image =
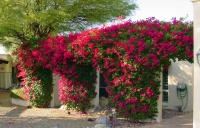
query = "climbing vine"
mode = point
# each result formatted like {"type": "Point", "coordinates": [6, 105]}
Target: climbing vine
{"type": "Point", "coordinates": [130, 55]}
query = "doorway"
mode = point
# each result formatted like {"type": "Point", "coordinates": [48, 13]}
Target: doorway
{"type": "Point", "coordinates": [102, 87]}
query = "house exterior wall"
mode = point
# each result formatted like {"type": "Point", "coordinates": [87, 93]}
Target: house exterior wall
{"type": "Point", "coordinates": [180, 71]}
{"type": "Point", "coordinates": [56, 102]}
{"type": "Point", "coordinates": [6, 72]}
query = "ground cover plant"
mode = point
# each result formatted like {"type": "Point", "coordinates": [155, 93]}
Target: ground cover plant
{"type": "Point", "coordinates": [18, 93]}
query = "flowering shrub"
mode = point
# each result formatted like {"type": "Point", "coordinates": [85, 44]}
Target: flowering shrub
{"type": "Point", "coordinates": [78, 89]}
{"type": "Point", "coordinates": [76, 84]}
{"type": "Point", "coordinates": [129, 55]}
{"type": "Point", "coordinates": [37, 81]}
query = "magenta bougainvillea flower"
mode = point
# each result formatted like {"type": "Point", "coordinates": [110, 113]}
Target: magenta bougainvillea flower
{"type": "Point", "coordinates": [130, 55]}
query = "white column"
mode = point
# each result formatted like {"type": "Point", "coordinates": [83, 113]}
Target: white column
{"type": "Point", "coordinates": [196, 71]}
{"type": "Point", "coordinates": [55, 95]}
{"type": "Point", "coordinates": [159, 105]}
{"type": "Point", "coordinates": [95, 101]}
{"type": "Point", "coordinates": [52, 104]}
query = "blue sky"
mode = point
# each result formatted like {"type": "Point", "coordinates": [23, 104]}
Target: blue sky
{"type": "Point", "coordinates": [160, 9]}
{"type": "Point", "coordinates": [163, 9]}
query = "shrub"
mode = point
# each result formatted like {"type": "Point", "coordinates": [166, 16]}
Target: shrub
{"type": "Point", "coordinates": [18, 93]}
{"type": "Point", "coordinates": [129, 55]}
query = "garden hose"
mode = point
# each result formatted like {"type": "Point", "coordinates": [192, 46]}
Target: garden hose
{"type": "Point", "coordinates": [182, 93]}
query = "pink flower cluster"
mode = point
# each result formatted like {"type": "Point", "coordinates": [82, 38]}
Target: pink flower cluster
{"type": "Point", "coordinates": [129, 55]}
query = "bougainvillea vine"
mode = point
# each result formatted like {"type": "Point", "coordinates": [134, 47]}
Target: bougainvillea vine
{"type": "Point", "coordinates": [130, 55]}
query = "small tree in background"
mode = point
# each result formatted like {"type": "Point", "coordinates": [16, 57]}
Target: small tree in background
{"type": "Point", "coordinates": [21, 20]}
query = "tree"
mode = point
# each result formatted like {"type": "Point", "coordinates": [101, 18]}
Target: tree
{"type": "Point", "coordinates": [24, 19]}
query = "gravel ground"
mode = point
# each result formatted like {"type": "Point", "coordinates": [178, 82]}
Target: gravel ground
{"type": "Point", "coordinates": [12, 116]}
{"type": "Point", "coordinates": [168, 113]}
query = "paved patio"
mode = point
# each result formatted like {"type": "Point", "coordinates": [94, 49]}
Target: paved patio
{"type": "Point", "coordinates": [182, 121]}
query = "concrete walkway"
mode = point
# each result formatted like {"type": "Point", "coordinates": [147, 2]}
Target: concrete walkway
{"type": "Point", "coordinates": [182, 121]}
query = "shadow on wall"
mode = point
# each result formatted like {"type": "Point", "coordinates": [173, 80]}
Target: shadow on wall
{"type": "Point", "coordinates": [180, 71]}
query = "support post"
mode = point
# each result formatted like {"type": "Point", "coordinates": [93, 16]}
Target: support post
{"type": "Point", "coordinates": [55, 96]}
{"type": "Point", "coordinates": [159, 105]}
{"type": "Point", "coordinates": [95, 101]}
{"type": "Point", "coordinates": [196, 67]}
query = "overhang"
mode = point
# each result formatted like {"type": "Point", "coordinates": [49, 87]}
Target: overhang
{"type": "Point", "coordinates": [3, 61]}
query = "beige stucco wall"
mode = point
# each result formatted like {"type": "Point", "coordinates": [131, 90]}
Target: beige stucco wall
{"type": "Point", "coordinates": [5, 72]}
{"type": "Point", "coordinates": [6, 67]}
{"type": "Point", "coordinates": [180, 71]}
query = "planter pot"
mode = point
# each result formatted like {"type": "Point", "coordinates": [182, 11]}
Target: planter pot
{"type": "Point", "coordinates": [19, 102]}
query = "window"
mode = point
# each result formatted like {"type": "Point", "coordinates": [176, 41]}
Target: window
{"type": "Point", "coordinates": [165, 90]}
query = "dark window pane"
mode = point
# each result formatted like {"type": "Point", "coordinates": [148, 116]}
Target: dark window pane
{"type": "Point", "coordinates": [102, 81]}
{"type": "Point", "coordinates": [103, 93]}
{"type": "Point", "coordinates": [102, 89]}
{"type": "Point", "coordinates": [165, 86]}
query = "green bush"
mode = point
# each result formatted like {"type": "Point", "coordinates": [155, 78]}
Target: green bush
{"type": "Point", "coordinates": [41, 87]}
{"type": "Point", "coordinates": [18, 93]}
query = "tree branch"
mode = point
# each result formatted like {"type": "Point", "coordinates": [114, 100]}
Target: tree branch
{"type": "Point", "coordinates": [21, 37]}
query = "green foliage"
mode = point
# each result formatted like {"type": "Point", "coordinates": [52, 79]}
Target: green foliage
{"type": "Point", "coordinates": [82, 89]}
{"type": "Point", "coordinates": [41, 87]}
{"type": "Point", "coordinates": [37, 80]}
{"type": "Point", "coordinates": [24, 19]}
{"type": "Point", "coordinates": [129, 55]}
{"type": "Point", "coordinates": [18, 93]}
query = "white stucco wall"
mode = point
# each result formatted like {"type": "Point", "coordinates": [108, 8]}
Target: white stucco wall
{"type": "Point", "coordinates": [180, 71]}
{"type": "Point", "coordinates": [19, 102]}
